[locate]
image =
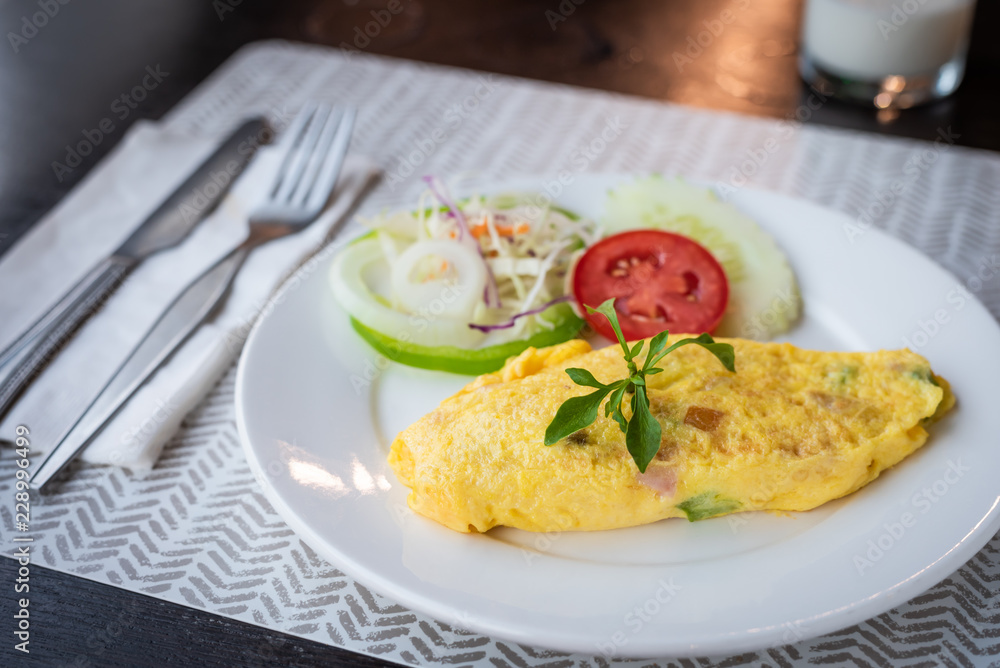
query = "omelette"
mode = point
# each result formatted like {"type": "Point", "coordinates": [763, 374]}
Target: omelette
{"type": "Point", "coordinates": [789, 431]}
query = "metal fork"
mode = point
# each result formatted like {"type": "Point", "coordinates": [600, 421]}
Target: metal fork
{"type": "Point", "coordinates": [307, 160]}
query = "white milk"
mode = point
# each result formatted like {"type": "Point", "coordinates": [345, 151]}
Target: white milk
{"type": "Point", "coordinates": [873, 39]}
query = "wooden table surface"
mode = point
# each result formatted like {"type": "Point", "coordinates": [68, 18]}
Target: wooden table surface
{"type": "Point", "coordinates": [61, 80]}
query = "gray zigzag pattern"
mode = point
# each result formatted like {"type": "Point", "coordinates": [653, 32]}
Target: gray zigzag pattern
{"type": "Point", "coordinates": [198, 531]}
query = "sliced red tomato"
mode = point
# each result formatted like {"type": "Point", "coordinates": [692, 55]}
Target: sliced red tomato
{"type": "Point", "coordinates": [659, 281]}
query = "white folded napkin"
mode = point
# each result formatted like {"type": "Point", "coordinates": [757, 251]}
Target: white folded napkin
{"type": "Point", "coordinates": [88, 225]}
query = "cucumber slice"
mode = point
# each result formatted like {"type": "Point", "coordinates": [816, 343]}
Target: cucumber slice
{"type": "Point", "coordinates": [471, 361]}
{"type": "Point", "coordinates": [764, 298]}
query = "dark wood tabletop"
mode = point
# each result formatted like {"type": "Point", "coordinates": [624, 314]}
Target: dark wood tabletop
{"type": "Point", "coordinates": [61, 79]}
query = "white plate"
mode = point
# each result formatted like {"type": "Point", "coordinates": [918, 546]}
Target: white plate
{"type": "Point", "coordinates": [316, 435]}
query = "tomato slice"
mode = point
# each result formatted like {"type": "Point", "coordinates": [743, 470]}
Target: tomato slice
{"type": "Point", "coordinates": [659, 281]}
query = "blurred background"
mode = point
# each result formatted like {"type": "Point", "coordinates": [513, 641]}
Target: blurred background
{"type": "Point", "coordinates": [80, 62]}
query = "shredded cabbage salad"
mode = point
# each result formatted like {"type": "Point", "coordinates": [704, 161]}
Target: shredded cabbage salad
{"type": "Point", "coordinates": [462, 285]}
{"type": "Point", "coordinates": [479, 272]}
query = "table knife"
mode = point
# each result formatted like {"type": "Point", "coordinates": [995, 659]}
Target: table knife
{"type": "Point", "coordinates": [204, 294]}
{"type": "Point", "coordinates": [175, 325]}
{"type": "Point", "coordinates": [190, 203]}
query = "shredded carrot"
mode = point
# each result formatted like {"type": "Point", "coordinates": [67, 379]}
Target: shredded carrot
{"type": "Point", "coordinates": [503, 230]}
{"type": "Point", "coordinates": [480, 229]}
{"type": "Point", "coordinates": [441, 271]}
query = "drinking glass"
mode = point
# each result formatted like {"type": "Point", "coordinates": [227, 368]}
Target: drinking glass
{"type": "Point", "coordinates": [886, 53]}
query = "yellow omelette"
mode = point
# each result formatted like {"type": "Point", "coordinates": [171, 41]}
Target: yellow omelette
{"type": "Point", "coordinates": [790, 430]}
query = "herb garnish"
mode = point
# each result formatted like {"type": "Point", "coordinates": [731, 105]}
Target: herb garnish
{"type": "Point", "coordinates": [642, 431]}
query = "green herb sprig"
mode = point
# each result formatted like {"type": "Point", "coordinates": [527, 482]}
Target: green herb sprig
{"type": "Point", "coordinates": [642, 431]}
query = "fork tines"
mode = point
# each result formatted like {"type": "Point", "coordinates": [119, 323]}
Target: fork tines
{"type": "Point", "coordinates": [316, 143]}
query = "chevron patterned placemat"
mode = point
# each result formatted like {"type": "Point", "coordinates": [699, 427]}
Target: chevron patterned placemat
{"type": "Point", "coordinates": [197, 531]}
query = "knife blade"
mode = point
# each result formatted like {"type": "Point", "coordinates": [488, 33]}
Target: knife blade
{"type": "Point", "coordinates": [171, 222]}
{"type": "Point", "coordinates": [174, 326]}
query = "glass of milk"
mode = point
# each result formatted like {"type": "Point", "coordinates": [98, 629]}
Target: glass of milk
{"type": "Point", "coordinates": [886, 53]}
